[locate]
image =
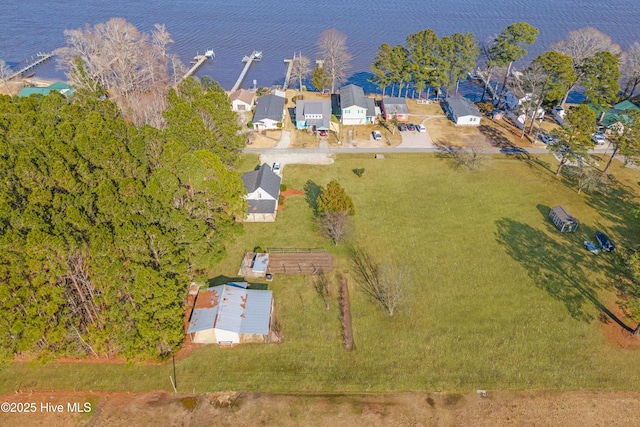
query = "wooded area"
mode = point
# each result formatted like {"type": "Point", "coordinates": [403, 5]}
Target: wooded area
{"type": "Point", "coordinates": [104, 224]}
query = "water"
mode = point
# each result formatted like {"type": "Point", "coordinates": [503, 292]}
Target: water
{"type": "Point", "coordinates": [280, 28]}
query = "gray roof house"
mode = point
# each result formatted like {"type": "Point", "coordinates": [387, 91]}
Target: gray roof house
{"type": "Point", "coordinates": [395, 108]}
{"type": "Point", "coordinates": [263, 190]}
{"type": "Point", "coordinates": [462, 111]}
{"type": "Point", "coordinates": [231, 314]}
{"type": "Point", "coordinates": [269, 112]}
{"type": "Point", "coordinates": [313, 114]}
{"type": "Point", "coordinates": [355, 107]}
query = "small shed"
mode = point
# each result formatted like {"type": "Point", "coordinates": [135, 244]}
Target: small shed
{"type": "Point", "coordinates": [563, 220]}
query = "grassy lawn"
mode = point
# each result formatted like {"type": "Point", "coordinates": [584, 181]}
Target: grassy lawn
{"type": "Point", "coordinates": [499, 299]}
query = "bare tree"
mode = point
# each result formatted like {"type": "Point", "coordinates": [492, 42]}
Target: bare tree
{"type": "Point", "coordinates": [631, 70]}
{"type": "Point", "coordinates": [471, 157]}
{"type": "Point", "coordinates": [131, 65]}
{"type": "Point", "coordinates": [322, 285]}
{"type": "Point", "coordinates": [588, 178]}
{"type": "Point", "coordinates": [385, 283]}
{"type": "Point", "coordinates": [333, 50]}
{"type": "Point", "coordinates": [5, 73]}
{"type": "Point", "coordinates": [334, 225]}
{"type": "Point", "coordinates": [301, 68]}
{"type": "Point", "coordinates": [581, 44]}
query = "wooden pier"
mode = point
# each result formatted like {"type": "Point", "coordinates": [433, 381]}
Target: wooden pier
{"type": "Point", "coordinates": [256, 55]}
{"type": "Point", "coordinates": [42, 57]}
{"type": "Point", "coordinates": [487, 84]}
{"type": "Point", "coordinates": [288, 76]}
{"type": "Point", "coordinates": [198, 60]}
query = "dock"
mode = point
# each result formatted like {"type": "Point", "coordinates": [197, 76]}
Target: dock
{"type": "Point", "coordinates": [487, 84]}
{"type": "Point", "coordinates": [198, 60]}
{"type": "Point", "coordinates": [42, 57]}
{"type": "Point", "coordinates": [256, 55]}
{"type": "Point", "coordinates": [288, 76]}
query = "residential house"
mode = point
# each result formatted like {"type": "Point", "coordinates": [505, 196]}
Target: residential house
{"type": "Point", "coordinates": [231, 314]}
{"type": "Point", "coordinates": [395, 107]}
{"type": "Point", "coordinates": [263, 190]}
{"type": "Point", "coordinates": [355, 107]}
{"type": "Point", "coordinates": [462, 111]}
{"type": "Point", "coordinates": [617, 113]}
{"type": "Point", "coordinates": [269, 112]}
{"type": "Point", "coordinates": [63, 88]}
{"type": "Point", "coordinates": [242, 100]}
{"type": "Point", "coordinates": [313, 114]}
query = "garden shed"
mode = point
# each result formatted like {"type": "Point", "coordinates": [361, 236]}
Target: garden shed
{"type": "Point", "coordinates": [563, 220]}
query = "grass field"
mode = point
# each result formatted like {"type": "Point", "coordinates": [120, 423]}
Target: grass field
{"type": "Point", "coordinates": [499, 299]}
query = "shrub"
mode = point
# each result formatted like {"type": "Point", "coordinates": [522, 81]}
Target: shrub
{"type": "Point", "coordinates": [250, 125]}
{"type": "Point", "coordinates": [283, 188]}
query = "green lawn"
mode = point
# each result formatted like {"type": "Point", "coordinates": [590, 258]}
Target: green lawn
{"type": "Point", "coordinates": [499, 299]}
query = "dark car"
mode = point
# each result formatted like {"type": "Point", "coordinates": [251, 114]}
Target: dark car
{"type": "Point", "coordinates": [605, 242]}
{"type": "Point", "coordinates": [402, 127]}
{"type": "Point", "coordinates": [411, 126]}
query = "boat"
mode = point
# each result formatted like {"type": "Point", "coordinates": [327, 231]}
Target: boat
{"type": "Point", "coordinates": [256, 55]}
{"type": "Point", "coordinates": [210, 54]}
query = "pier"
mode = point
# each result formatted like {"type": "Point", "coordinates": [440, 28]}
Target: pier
{"type": "Point", "coordinates": [487, 84]}
{"type": "Point", "coordinates": [198, 60]}
{"type": "Point", "coordinates": [42, 57]}
{"type": "Point", "coordinates": [256, 55]}
{"type": "Point", "coordinates": [288, 76]}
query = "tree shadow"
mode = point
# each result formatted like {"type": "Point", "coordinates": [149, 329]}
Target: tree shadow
{"type": "Point", "coordinates": [559, 267]}
{"type": "Point", "coordinates": [497, 139]}
{"type": "Point", "coordinates": [311, 193]}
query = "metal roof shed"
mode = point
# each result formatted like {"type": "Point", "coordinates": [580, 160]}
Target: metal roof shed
{"type": "Point", "coordinates": [563, 220]}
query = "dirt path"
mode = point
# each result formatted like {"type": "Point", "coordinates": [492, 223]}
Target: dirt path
{"type": "Point", "coordinates": [580, 408]}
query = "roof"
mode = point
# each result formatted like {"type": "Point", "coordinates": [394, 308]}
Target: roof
{"type": "Point", "coordinates": [61, 87]}
{"type": "Point", "coordinates": [461, 107]}
{"type": "Point", "coordinates": [269, 107]}
{"type": "Point", "coordinates": [260, 262]}
{"type": "Point", "coordinates": [261, 206]}
{"type": "Point", "coordinates": [243, 95]}
{"type": "Point", "coordinates": [232, 308]}
{"type": "Point", "coordinates": [617, 112]}
{"type": "Point", "coordinates": [562, 214]}
{"type": "Point", "coordinates": [322, 108]}
{"type": "Point", "coordinates": [395, 106]}
{"type": "Point", "coordinates": [352, 95]}
{"type": "Point", "coordinates": [263, 178]}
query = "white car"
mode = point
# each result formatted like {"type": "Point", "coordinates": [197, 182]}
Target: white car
{"type": "Point", "coordinates": [376, 135]}
{"type": "Point", "coordinates": [598, 138]}
{"type": "Point", "coordinates": [421, 128]}
{"type": "Point", "coordinates": [276, 168]}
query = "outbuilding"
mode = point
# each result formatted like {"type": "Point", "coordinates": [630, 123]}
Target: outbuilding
{"type": "Point", "coordinates": [563, 220]}
{"type": "Point", "coordinates": [231, 314]}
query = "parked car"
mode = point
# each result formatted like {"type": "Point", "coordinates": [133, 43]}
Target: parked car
{"type": "Point", "coordinates": [598, 138]}
{"type": "Point", "coordinates": [411, 127]}
{"type": "Point", "coordinates": [591, 247]}
{"type": "Point", "coordinates": [322, 133]}
{"type": "Point", "coordinates": [605, 242]}
{"type": "Point", "coordinates": [545, 138]}
{"type": "Point", "coordinates": [376, 135]}
{"type": "Point", "coordinates": [402, 127]}
{"type": "Point", "coordinates": [276, 168]}
{"type": "Point", "coordinates": [421, 128]}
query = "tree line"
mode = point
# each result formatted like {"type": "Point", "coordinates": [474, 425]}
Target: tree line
{"type": "Point", "coordinates": [103, 223]}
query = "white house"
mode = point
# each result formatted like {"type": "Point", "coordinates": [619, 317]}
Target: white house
{"type": "Point", "coordinates": [242, 100]}
{"type": "Point", "coordinates": [269, 112]}
{"type": "Point", "coordinates": [263, 190]}
{"type": "Point", "coordinates": [231, 314]}
{"type": "Point", "coordinates": [355, 107]}
{"type": "Point", "coordinates": [462, 111]}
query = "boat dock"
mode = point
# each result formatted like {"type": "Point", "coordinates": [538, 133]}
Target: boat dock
{"type": "Point", "coordinates": [288, 76]}
{"type": "Point", "coordinates": [198, 60]}
{"type": "Point", "coordinates": [483, 78]}
{"type": "Point", "coordinates": [42, 57]}
{"type": "Point", "coordinates": [256, 55]}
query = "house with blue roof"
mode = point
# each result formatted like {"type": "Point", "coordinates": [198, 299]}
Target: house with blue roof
{"type": "Point", "coordinates": [231, 314]}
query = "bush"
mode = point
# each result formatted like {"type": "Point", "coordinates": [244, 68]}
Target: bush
{"type": "Point", "coordinates": [280, 199]}
{"type": "Point", "coordinates": [283, 188]}
{"type": "Point", "coordinates": [250, 125]}
{"type": "Point", "coordinates": [294, 99]}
